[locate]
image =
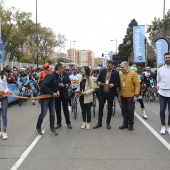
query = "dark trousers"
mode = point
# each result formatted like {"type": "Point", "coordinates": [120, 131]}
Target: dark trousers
{"type": "Point", "coordinates": [102, 99]}
{"type": "Point", "coordinates": [163, 104]}
{"type": "Point", "coordinates": [141, 103]}
{"type": "Point", "coordinates": [86, 111]}
{"type": "Point", "coordinates": [58, 101]}
{"type": "Point", "coordinates": [47, 103]}
{"type": "Point", "coordinates": [128, 106]}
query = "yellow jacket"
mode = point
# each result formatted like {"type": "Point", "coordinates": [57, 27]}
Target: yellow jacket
{"type": "Point", "coordinates": [129, 84]}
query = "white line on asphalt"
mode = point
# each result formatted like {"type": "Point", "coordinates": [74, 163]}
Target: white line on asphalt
{"type": "Point", "coordinates": [27, 151]}
{"type": "Point", "coordinates": [160, 138]}
{"type": "Point", "coordinates": [151, 109]}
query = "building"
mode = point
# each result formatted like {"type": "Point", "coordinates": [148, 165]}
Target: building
{"type": "Point", "coordinates": [97, 61]}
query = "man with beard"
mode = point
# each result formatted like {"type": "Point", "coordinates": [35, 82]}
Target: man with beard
{"type": "Point", "coordinates": [163, 86]}
{"type": "Point", "coordinates": [108, 81]}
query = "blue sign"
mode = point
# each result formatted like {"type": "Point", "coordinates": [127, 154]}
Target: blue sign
{"type": "Point", "coordinates": [162, 47]}
{"type": "Point", "coordinates": [139, 43]}
{"type": "Point", "coordinates": [1, 51]}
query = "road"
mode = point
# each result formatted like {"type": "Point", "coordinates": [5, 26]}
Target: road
{"type": "Point", "coordinates": [80, 149]}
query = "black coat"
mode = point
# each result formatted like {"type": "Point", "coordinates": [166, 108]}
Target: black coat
{"type": "Point", "coordinates": [114, 79]}
{"type": "Point", "coordinates": [65, 80]}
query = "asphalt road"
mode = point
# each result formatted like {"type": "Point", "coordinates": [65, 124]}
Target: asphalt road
{"type": "Point", "coordinates": [80, 149]}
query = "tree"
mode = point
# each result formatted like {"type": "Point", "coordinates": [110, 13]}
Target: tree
{"type": "Point", "coordinates": [126, 48]}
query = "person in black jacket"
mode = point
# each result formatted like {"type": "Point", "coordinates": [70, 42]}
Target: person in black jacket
{"type": "Point", "coordinates": [49, 86]}
{"type": "Point", "coordinates": [108, 81]}
{"type": "Point", "coordinates": [64, 84]}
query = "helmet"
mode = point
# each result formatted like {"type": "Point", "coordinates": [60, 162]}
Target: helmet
{"type": "Point", "coordinates": [134, 69]}
{"type": "Point", "coordinates": [148, 69]}
{"type": "Point", "coordinates": [46, 65]}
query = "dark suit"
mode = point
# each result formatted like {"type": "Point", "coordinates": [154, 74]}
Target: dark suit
{"type": "Point", "coordinates": [103, 96]}
{"type": "Point", "coordinates": [63, 99]}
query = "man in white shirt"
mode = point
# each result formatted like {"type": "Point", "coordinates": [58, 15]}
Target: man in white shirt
{"type": "Point", "coordinates": [163, 85]}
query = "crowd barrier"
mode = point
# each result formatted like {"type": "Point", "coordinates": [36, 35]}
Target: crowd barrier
{"type": "Point", "coordinates": [14, 89]}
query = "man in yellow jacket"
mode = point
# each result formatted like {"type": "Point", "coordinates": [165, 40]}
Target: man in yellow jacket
{"type": "Point", "coordinates": [128, 92]}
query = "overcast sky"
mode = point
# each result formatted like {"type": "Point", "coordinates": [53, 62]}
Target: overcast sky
{"type": "Point", "coordinates": [92, 23]}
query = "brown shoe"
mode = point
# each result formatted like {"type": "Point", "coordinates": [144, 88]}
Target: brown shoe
{"type": "Point", "coordinates": [58, 126]}
{"type": "Point", "coordinates": [69, 126]}
{"type": "Point", "coordinates": [108, 126]}
{"type": "Point", "coordinates": [97, 126]}
{"type": "Point", "coordinates": [123, 126]}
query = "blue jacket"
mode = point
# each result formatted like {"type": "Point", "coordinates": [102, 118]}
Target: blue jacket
{"type": "Point", "coordinates": [50, 83]}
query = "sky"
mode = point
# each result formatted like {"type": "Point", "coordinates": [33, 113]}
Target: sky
{"type": "Point", "coordinates": [91, 23]}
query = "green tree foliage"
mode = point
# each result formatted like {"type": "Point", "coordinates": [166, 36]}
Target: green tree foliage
{"type": "Point", "coordinates": [126, 48]}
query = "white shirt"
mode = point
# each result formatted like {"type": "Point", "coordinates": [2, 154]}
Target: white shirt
{"type": "Point", "coordinates": [3, 84]}
{"type": "Point", "coordinates": [163, 81]}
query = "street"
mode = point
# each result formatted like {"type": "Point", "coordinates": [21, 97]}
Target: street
{"type": "Point", "coordinates": [144, 148]}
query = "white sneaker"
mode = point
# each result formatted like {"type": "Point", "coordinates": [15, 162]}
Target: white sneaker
{"type": "Point", "coordinates": [69, 108]}
{"type": "Point", "coordinates": [4, 136]}
{"type": "Point", "coordinates": [145, 116]}
{"type": "Point", "coordinates": [83, 125]}
{"type": "Point", "coordinates": [163, 130]}
{"type": "Point", "coordinates": [168, 130]}
{"type": "Point", "coordinates": [87, 125]}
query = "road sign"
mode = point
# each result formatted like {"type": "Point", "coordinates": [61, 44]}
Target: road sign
{"type": "Point", "coordinates": [1, 51]}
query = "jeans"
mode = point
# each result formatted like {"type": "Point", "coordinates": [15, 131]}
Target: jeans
{"type": "Point", "coordinates": [47, 103]}
{"type": "Point", "coordinates": [163, 101]}
{"type": "Point", "coordinates": [86, 111]}
{"type": "Point", "coordinates": [128, 106]}
{"type": "Point", "coordinates": [4, 105]}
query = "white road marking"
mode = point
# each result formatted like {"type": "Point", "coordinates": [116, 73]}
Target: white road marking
{"type": "Point", "coordinates": [151, 109]}
{"type": "Point", "coordinates": [159, 137]}
{"type": "Point", "coordinates": [27, 151]}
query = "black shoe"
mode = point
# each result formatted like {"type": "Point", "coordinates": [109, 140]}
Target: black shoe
{"type": "Point", "coordinates": [58, 125]}
{"type": "Point", "coordinates": [53, 132]}
{"type": "Point", "coordinates": [69, 126]}
{"type": "Point", "coordinates": [123, 127]}
{"type": "Point", "coordinates": [108, 126]}
{"type": "Point", "coordinates": [33, 103]}
{"type": "Point", "coordinates": [39, 132]}
{"type": "Point", "coordinates": [97, 126]}
{"type": "Point", "coordinates": [130, 127]}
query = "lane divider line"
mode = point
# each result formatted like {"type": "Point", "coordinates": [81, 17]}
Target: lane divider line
{"type": "Point", "coordinates": [27, 151]}
{"type": "Point", "coordinates": [157, 135]}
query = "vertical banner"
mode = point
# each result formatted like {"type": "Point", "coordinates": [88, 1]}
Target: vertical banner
{"type": "Point", "coordinates": [161, 47]}
{"type": "Point", "coordinates": [139, 43]}
{"type": "Point", "coordinates": [1, 51]}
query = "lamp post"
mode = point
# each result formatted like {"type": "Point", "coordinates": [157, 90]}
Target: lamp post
{"type": "Point", "coordinates": [116, 44]}
{"type": "Point", "coordinates": [36, 35]}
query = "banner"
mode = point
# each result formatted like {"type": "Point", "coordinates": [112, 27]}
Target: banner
{"type": "Point", "coordinates": [139, 43]}
{"type": "Point", "coordinates": [1, 51]}
{"type": "Point", "coordinates": [161, 47]}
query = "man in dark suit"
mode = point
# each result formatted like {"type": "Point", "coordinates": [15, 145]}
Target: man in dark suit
{"type": "Point", "coordinates": [64, 83]}
{"type": "Point", "coordinates": [108, 81]}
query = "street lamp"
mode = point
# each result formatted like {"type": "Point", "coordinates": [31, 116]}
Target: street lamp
{"type": "Point", "coordinates": [116, 44]}
{"type": "Point", "coordinates": [36, 34]}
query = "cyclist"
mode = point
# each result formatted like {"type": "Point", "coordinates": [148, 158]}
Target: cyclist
{"type": "Point", "coordinates": [43, 73]}
{"type": "Point", "coordinates": [147, 79]}
{"type": "Point", "coordinates": [140, 100]}
{"type": "Point", "coordinates": [23, 80]}
{"type": "Point", "coordinates": [74, 78]}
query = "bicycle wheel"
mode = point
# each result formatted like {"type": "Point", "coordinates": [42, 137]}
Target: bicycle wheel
{"type": "Point", "coordinates": [114, 106]}
{"type": "Point", "coordinates": [75, 108]}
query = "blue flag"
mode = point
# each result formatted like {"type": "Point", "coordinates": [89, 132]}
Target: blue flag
{"type": "Point", "coordinates": [162, 47]}
{"type": "Point", "coordinates": [1, 51]}
{"type": "Point", "coordinates": [139, 43]}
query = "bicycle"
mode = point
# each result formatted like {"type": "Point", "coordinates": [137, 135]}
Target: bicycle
{"type": "Point", "coordinates": [23, 93]}
{"type": "Point", "coordinates": [74, 105]}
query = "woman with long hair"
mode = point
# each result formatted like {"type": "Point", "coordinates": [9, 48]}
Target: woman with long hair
{"type": "Point", "coordinates": [85, 91]}
{"type": "Point", "coordinates": [4, 105]}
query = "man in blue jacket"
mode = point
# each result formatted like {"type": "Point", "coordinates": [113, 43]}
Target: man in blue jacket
{"type": "Point", "coordinates": [49, 86]}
